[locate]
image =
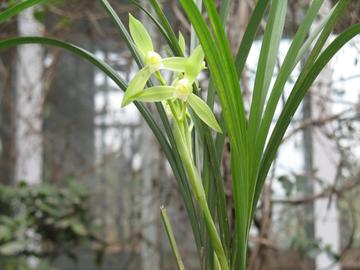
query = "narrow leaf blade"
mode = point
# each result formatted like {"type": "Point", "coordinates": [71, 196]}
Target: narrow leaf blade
{"type": "Point", "coordinates": [16, 9]}
{"type": "Point", "coordinates": [299, 91]}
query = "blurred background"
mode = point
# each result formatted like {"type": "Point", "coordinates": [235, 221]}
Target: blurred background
{"type": "Point", "coordinates": [82, 180]}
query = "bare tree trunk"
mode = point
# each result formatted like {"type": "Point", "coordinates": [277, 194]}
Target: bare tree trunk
{"type": "Point", "coordinates": [29, 103]}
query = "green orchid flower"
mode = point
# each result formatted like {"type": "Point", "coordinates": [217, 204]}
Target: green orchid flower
{"type": "Point", "coordinates": [180, 90]}
{"type": "Point", "coordinates": [153, 62]}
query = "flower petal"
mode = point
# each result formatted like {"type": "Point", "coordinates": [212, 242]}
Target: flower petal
{"type": "Point", "coordinates": [136, 85]}
{"type": "Point", "coordinates": [177, 64]}
{"type": "Point", "coordinates": [156, 94]}
{"type": "Point", "coordinates": [140, 36]}
{"type": "Point", "coordinates": [204, 112]}
{"type": "Point", "coordinates": [195, 63]}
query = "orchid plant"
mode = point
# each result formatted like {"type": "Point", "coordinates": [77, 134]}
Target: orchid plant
{"type": "Point", "coordinates": [220, 244]}
{"type": "Point", "coordinates": [179, 98]}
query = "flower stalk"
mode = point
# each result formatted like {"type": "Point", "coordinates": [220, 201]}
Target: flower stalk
{"type": "Point", "coordinates": [180, 135]}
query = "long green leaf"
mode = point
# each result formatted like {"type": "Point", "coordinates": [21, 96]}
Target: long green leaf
{"type": "Point", "coordinates": [299, 91]}
{"type": "Point", "coordinates": [222, 69]}
{"type": "Point", "coordinates": [338, 11]}
{"type": "Point", "coordinates": [285, 71]}
{"type": "Point", "coordinates": [109, 71]}
{"type": "Point", "coordinates": [266, 63]}
{"type": "Point", "coordinates": [229, 71]}
{"type": "Point", "coordinates": [224, 10]}
{"type": "Point", "coordinates": [122, 31]}
{"type": "Point", "coordinates": [250, 34]}
{"type": "Point", "coordinates": [211, 52]}
{"type": "Point", "coordinates": [314, 35]}
{"type": "Point", "coordinates": [237, 132]}
{"type": "Point", "coordinates": [172, 40]}
{"type": "Point", "coordinates": [169, 153]}
{"type": "Point", "coordinates": [16, 9]}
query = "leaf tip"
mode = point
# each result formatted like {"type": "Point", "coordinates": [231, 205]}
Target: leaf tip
{"type": "Point", "coordinates": [218, 129]}
{"type": "Point", "coordinates": [124, 102]}
{"type": "Point", "coordinates": [131, 17]}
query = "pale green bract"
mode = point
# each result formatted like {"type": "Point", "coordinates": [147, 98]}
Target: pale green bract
{"type": "Point", "coordinates": [187, 70]}
{"type": "Point", "coordinates": [182, 43]}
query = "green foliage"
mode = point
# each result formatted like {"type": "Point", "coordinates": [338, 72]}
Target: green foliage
{"type": "Point", "coordinates": [56, 218]}
{"type": "Point", "coordinates": [22, 263]}
{"type": "Point", "coordinates": [312, 248]}
{"type": "Point", "coordinates": [253, 144]}
{"type": "Point", "coordinates": [17, 7]}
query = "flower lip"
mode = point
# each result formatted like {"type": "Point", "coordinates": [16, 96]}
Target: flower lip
{"type": "Point", "coordinates": [183, 89]}
{"type": "Point", "coordinates": [154, 61]}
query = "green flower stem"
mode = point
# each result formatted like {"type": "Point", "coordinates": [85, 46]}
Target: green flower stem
{"type": "Point", "coordinates": [180, 135]}
{"type": "Point", "coordinates": [187, 133]}
{"type": "Point", "coordinates": [160, 78]}
{"type": "Point", "coordinates": [170, 233]}
{"type": "Point", "coordinates": [173, 109]}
